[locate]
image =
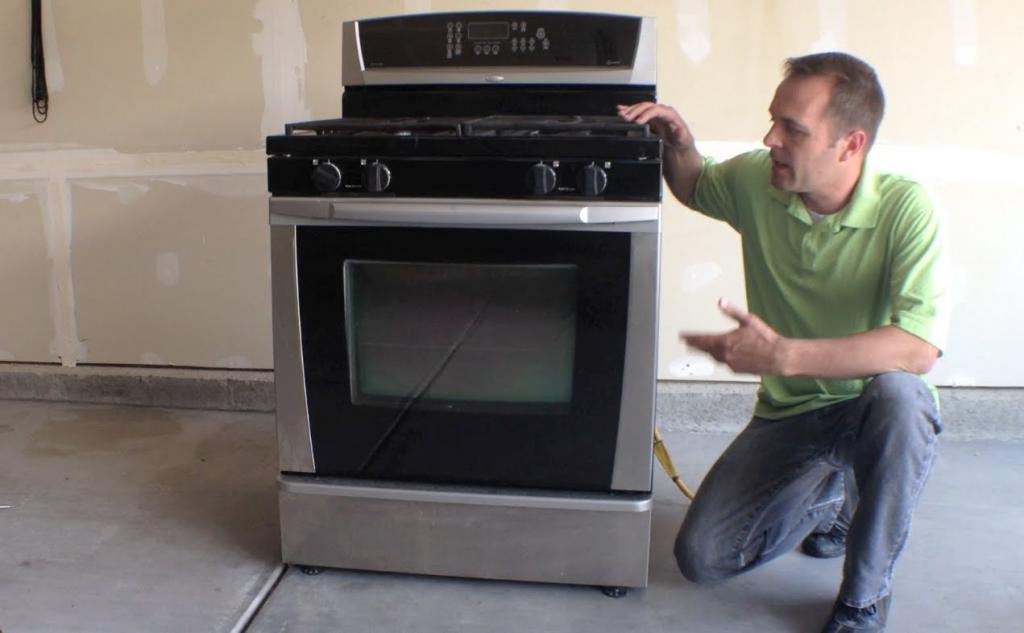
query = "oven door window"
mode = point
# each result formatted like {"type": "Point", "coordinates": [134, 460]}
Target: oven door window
{"type": "Point", "coordinates": [477, 357]}
{"type": "Point", "coordinates": [485, 338]}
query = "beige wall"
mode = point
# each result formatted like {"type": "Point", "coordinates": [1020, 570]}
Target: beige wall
{"type": "Point", "coordinates": [133, 222]}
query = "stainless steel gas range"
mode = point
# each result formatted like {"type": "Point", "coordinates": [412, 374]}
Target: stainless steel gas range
{"type": "Point", "coordinates": [465, 275]}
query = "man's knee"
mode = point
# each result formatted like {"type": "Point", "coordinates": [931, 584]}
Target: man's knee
{"type": "Point", "coordinates": [897, 386]}
{"type": "Point", "coordinates": [903, 400]}
{"type": "Point", "coordinates": [696, 556]}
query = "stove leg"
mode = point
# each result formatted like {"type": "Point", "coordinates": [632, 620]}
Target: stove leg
{"type": "Point", "coordinates": [614, 592]}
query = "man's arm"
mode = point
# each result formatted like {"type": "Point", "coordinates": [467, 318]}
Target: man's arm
{"type": "Point", "coordinates": [755, 348]}
{"type": "Point", "coordinates": [683, 163]}
{"type": "Point", "coordinates": [870, 353]}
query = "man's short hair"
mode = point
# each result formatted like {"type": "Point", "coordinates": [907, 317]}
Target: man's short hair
{"type": "Point", "coordinates": [857, 100]}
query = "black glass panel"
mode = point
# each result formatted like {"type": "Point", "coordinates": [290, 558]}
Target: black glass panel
{"type": "Point", "coordinates": [505, 39]}
{"type": "Point", "coordinates": [477, 100]}
{"type": "Point", "coordinates": [461, 337]}
{"type": "Point", "coordinates": [514, 380]}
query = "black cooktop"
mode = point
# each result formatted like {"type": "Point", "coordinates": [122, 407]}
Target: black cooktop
{"type": "Point", "coordinates": [543, 136]}
{"type": "Point", "coordinates": [499, 156]}
{"type": "Point", "coordinates": [499, 125]}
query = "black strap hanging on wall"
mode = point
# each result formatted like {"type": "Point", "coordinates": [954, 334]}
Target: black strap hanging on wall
{"type": "Point", "coordinates": [40, 95]}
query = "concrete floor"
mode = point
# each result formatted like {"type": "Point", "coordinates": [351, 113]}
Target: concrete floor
{"type": "Point", "coordinates": [133, 519]}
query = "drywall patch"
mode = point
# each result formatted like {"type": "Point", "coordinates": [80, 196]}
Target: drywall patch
{"type": "Point", "coordinates": [281, 47]}
{"type": "Point", "coordinates": [963, 380]}
{"type": "Point", "coordinates": [105, 165]}
{"type": "Point", "coordinates": [831, 25]}
{"type": "Point", "coordinates": [965, 32]}
{"type": "Point", "coordinates": [234, 362]}
{"type": "Point", "coordinates": [698, 276]}
{"type": "Point", "coordinates": [11, 148]}
{"type": "Point", "coordinates": [57, 229]}
{"type": "Point", "coordinates": [168, 269]}
{"type": "Point", "coordinates": [154, 41]}
{"type": "Point", "coordinates": [127, 191]}
{"type": "Point", "coordinates": [693, 19]}
{"type": "Point", "coordinates": [949, 164]}
{"type": "Point", "coordinates": [690, 366]}
{"type": "Point", "coordinates": [151, 358]}
{"type": "Point", "coordinates": [69, 353]}
{"type": "Point", "coordinates": [959, 281]}
{"type": "Point", "coordinates": [232, 186]}
{"type": "Point", "coordinates": [416, 6]}
{"type": "Point", "coordinates": [54, 70]}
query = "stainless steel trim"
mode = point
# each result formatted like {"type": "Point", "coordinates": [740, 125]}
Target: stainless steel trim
{"type": "Point", "coordinates": [290, 220]}
{"type": "Point", "coordinates": [645, 65]}
{"type": "Point", "coordinates": [404, 211]}
{"type": "Point", "coordinates": [624, 227]}
{"type": "Point", "coordinates": [643, 72]}
{"type": "Point", "coordinates": [479, 74]}
{"type": "Point", "coordinates": [332, 487]}
{"type": "Point", "coordinates": [312, 208]}
{"type": "Point", "coordinates": [294, 443]}
{"type": "Point", "coordinates": [555, 544]}
{"type": "Point", "coordinates": [633, 454]}
{"type": "Point", "coordinates": [455, 212]}
{"type": "Point", "coordinates": [351, 55]}
{"type": "Point", "coordinates": [359, 47]}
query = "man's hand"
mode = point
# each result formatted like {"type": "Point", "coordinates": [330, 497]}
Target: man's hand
{"type": "Point", "coordinates": [752, 348]}
{"type": "Point", "coordinates": [683, 163]}
{"type": "Point", "coordinates": [755, 348]}
{"type": "Point", "coordinates": [664, 121]}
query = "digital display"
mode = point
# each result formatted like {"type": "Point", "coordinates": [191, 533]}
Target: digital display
{"type": "Point", "coordinates": [487, 30]}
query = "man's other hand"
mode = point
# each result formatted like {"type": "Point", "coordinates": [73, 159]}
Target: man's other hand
{"type": "Point", "coordinates": [752, 348]}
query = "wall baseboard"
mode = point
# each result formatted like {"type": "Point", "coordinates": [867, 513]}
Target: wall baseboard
{"type": "Point", "coordinates": [712, 407]}
{"type": "Point", "coordinates": [725, 407]}
{"type": "Point", "coordinates": [223, 390]}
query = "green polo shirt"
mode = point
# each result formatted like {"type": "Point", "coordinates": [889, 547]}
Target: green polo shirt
{"type": "Point", "coordinates": [875, 263]}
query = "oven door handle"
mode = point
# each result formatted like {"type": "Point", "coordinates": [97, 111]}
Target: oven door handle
{"type": "Point", "coordinates": [488, 214]}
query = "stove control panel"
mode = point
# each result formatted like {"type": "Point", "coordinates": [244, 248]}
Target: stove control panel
{"type": "Point", "coordinates": [521, 38]}
{"type": "Point", "coordinates": [471, 177]}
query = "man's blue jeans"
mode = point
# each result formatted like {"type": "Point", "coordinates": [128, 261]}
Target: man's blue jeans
{"type": "Point", "coordinates": [780, 480]}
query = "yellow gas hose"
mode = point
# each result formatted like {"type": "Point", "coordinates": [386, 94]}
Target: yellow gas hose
{"type": "Point", "coordinates": [666, 463]}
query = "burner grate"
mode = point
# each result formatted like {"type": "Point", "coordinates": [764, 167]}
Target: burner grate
{"type": "Point", "coordinates": [370, 127]}
{"type": "Point", "coordinates": [491, 126]}
{"type": "Point", "coordinates": [563, 126]}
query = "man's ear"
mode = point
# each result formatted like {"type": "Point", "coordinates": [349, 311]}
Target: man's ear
{"type": "Point", "coordinates": [855, 143]}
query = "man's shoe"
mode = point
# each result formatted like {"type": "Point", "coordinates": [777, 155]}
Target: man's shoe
{"type": "Point", "coordinates": [846, 619]}
{"type": "Point", "coordinates": [831, 544]}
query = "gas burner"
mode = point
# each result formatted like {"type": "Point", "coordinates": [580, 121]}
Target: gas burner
{"type": "Point", "coordinates": [371, 127]}
{"type": "Point", "coordinates": [524, 126]}
{"type": "Point", "coordinates": [564, 126]}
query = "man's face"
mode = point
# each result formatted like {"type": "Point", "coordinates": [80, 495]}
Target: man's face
{"type": "Point", "coordinates": [802, 140]}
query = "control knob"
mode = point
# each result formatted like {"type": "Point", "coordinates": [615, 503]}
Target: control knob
{"type": "Point", "coordinates": [541, 179]}
{"type": "Point", "coordinates": [326, 177]}
{"type": "Point", "coordinates": [377, 177]}
{"type": "Point", "coordinates": [592, 180]}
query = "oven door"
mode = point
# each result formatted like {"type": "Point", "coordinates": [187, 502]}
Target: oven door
{"type": "Point", "coordinates": [500, 346]}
